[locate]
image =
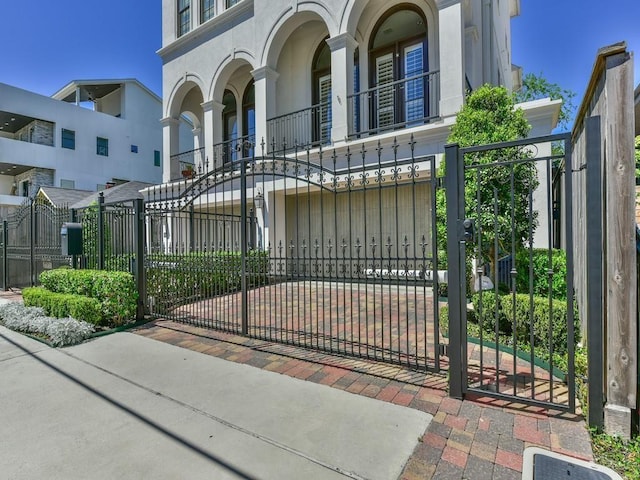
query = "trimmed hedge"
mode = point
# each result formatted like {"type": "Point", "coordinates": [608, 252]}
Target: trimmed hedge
{"type": "Point", "coordinates": [540, 264]}
{"type": "Point", "coordinates": [115, 291]}
{"type": "Point", "coordinates": [63, 305]}
{"type": "Point", "coordinates": [543, 322]}
{"type": "Point", "coordinates": [174, 279]}
{"type": "Point", "coordinates": [549, 320]}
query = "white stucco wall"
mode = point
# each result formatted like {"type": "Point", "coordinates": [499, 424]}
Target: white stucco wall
{"type": "Point", "coordinates": [83, 165]}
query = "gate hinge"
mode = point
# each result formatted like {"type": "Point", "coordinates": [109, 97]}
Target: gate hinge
{"type": "Point", "coordinates": [443, 350]}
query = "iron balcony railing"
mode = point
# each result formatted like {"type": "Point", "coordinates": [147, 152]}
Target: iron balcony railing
{"type": "Point", "coordinates": [395, 105]}
{"type": "Point", "coordinates": [192, 160]}
{"type": "Point", "coordinates": [303, 128]}
{"type": "Point", "coordinates": [233, 150]}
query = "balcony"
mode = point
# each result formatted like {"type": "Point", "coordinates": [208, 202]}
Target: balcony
{"type": "Point", "coordinates": [309, 127]}
{"type": "Point", "coordinates": [395, 105]}
{"type": "Point", "coordinates": [190, 161]}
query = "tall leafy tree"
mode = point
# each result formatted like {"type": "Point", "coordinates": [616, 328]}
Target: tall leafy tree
{"type": "Point", "coordinates": [490, 116]}
{"type": "Point", "coordinates": [535, 87]}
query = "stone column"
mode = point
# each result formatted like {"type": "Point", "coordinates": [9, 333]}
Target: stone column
{"type": "Point", "coordinates": [170, 146]}
{"type": "Point", "coordinates": [265, 85]}
{"type": "Point", "coordinates": [342, 47]}
{"type": "Point", "coordinates": [451, 37]}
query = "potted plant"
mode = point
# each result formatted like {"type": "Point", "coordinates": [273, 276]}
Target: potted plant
{"type": "Point", "coordinates": [187, 171]}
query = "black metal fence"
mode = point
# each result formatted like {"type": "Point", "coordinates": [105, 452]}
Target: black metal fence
{"type": "Point", "coordinates": [338, 251]}
{"type": "Point", "coordinates": [522, 326]}
{"type": "Point", "coordinates": [330, 252]}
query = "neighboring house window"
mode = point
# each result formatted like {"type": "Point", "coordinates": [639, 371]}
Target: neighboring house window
{"type": "Point", "coordinates": [398, 57]}
{"type": "Point", "coordinates": [207, 9]}
{"type": "Point", "coordinates": [100, 187]}
{"type": "Point", "coordinates": [184, 17]}
{"type": "Point", "coordinates": [67, 183]}
{"type": "Point", "coordinates": [102, 146]}
{"type": "Point", "coordinates": [156, 158]}
{"type": "Point", "coordinates": [322, 93]}
{"type": "Point", "coordinates": [68, 139]}
{"type": "Point", "coordinates": [134, 148]}
{"type": "Point", "coordinates": [231, 3]}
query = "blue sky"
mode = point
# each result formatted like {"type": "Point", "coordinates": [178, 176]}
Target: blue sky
{"type": "Point", "coordinates": [48, 43]}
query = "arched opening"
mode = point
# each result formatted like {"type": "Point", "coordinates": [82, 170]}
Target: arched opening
{"type": "Point", "coordinates": [398, 69]}
{"type": "Point", "coordinates": [321, 88]}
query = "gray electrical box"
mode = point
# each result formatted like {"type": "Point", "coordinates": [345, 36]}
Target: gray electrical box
{"type": "Point", "coordinates": [71, 234]}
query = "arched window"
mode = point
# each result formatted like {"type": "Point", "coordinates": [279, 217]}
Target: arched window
{"type": "Point", "coordinates": [321, 75]}
{"type": "Point", "coordinates": [249, 119]}
{"type": "Point", "coordinates": [398, 64]}
{"type": "Point", "coordinates": [230, 126]}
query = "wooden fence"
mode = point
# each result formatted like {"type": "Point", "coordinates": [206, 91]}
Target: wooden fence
{"type": "Point", "coordinates": [605, 261]}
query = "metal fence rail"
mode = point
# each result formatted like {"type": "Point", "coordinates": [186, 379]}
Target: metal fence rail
{"type": "Point", "coordinates": [327, 253]}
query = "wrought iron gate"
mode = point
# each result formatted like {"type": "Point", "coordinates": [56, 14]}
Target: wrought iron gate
{"type": "Point", "coordinates": [31, 242]}
{"type": "Point", "coordinates": [515, 337]}
{"type": "Point", "coordinates": [335, 252]}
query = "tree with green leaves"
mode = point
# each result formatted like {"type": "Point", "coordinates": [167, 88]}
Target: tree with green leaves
{"type": "Point", "coordinates": [490, 116]}
{"type": "Point", "coordinates": [535, 87]}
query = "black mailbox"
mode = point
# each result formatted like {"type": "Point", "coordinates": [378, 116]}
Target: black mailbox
{"type": "Point", "coordinates": [71, 234]}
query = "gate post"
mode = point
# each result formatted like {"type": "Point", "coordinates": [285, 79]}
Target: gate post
{"type": "Point", "coordinates": [243, 246]}
{"type": "Point", "coordinates": [32, 243]}
{"type": "Point", "coordinates": [73, 218]}
{"type": "Point", "coordinates": [457, 294]}
{"type": "Point", "coordinates": [101, 231]}
{"type": "Point", "coordinates": [139, 272]}
{"type": "Point", "coordinates": [5, 266]}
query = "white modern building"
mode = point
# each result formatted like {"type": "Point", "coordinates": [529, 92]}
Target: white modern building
{"type": "Point", "coordinates": [87, 135]}
{"type": "Point", "coordinates": [260, 78]}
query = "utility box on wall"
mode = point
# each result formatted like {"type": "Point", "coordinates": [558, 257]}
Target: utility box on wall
{"type": "Point", "coordinates": [71, 234]}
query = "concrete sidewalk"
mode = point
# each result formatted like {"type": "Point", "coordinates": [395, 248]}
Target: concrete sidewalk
{"type": "Point", "coordinates": [126, 406]}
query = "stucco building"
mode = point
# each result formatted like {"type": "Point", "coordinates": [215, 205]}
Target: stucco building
{"type": "Point", "coordinates": [85, 136]}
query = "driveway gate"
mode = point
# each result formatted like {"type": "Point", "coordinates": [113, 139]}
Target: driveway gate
{"type": "Point", "coordinates": [505, 211]}
{"type": "Point", "coordinates": [335, 253]}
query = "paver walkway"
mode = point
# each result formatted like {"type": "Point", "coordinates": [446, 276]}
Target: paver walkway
{"type": "Point", "coordinates": [478, 438]}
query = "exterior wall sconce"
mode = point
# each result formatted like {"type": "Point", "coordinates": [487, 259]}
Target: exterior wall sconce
{"type": "Point", "coordinates": [258, 200]}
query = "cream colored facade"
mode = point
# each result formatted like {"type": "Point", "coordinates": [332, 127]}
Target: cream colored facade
{"type": "Point", "coordinates": [258, 77]}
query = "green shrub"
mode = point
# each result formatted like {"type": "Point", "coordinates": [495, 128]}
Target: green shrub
{"type": "Point", "coordinates": [539, 262]}
{"type": "Point", "coordinates": [63, 305]}
{"type": "Point", "coordinates": [173, 279]}
{"type": "Point", "coordinates": [549, 320]}
{"type": "Point", "coordinates": [116, 291]}
{"type": "Point", "coordinates": [59, 331]}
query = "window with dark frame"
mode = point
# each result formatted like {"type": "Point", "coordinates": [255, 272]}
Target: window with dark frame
{"type": "Point", "coordinates": [184, 17]}
{"type": "Point", "coordinates": [134, 148]}
{"type": "Point", "coordinates": [156, 158]}
{"type": "Point", "coordinates": [102, 146]}
{"type": "Point", "coordinates": [207, 10]}
{"type": "Point", "coordinates": [68, 139]}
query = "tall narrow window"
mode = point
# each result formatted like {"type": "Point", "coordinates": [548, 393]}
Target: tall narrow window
{"type": "Point", "coordinates": [230, 127]}
{"type": "Point", "coordinates": [102, 146]}
{"type": "Point", "coordinates": [68, 139]}
{"type": "Point", "coordinates": [207, 10]}
{"type": "Point", "coordinates": [249, 119]}
{"type": "Point", "coordinates": [322, 94]}
{"type": "Point", "coordinates": [184, 17]}
{"type": "Point", "coordinates": [398, 65]}
{"type": "Point", "coordinates": [156, 158]}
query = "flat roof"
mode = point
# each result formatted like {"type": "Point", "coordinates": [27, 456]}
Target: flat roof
{"type": "Point", "coordinates": [93, 89]}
